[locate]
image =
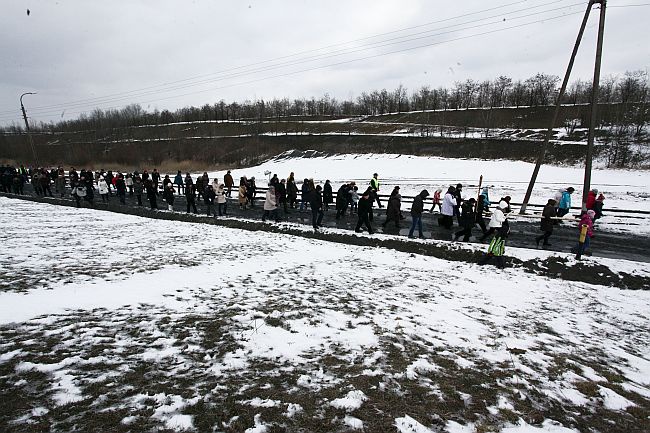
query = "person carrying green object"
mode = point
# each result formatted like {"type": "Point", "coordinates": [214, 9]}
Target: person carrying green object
{"type": "Point", "coordinates": [497, 248]}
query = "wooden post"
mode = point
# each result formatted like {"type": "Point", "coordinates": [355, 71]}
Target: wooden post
{"type": "Point", "coordinates": [558, 103]}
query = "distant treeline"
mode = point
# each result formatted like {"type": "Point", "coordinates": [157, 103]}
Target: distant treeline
{"type": "Point", "coordinates": [539, 90]}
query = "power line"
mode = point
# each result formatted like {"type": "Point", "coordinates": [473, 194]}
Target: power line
{"type": "Point", "coordinates": [356, 60]}
{"type": "Point", "coordinates": [149, 90]}
{"type": "Point", "coordinates": [43, 111]}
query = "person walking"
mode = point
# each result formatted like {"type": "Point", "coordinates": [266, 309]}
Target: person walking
{"type": "Point", "coordinates": [281, 195]}
{"type": "Point", "coordinates": [138, 187]}
{"type": "Point", "coordinates": [168, 196]}
{"type": "Point", "coordinates": [304, 193]}
{"type": "Point", "coordinates": [179, 182]}
{"type": "Point", "coordinates": [497, 248]}
{"type": "Point", "coordinates": [328, 194]}
{"type": "Point", "coordinates": [374, 184]}
{"type": "Point", "coordinates": [365, 207]}
{"type": "Point", "coordinates": [155, 180]}
{"type": "Point", "coordinates": [437, 200]}
{"type": "Point", "coordinates": [393, 209]}
{"type": "Point", "coordinates": [200, 187]}
{"type": "Point", "coordinates": [598, 206]}
{"type": "Point", "coordinates": [547, 223]}
{"type": "Point", "coordinates": [59, 182]}
{"type": "Point", "coordinates": [448, 206]}
{"type": "Point", "coordinates": [467, 220]}
{"type": "Point", "coordinates": [565, 202]}
{"type": "Point", "coordinates": [497, 220]}
{"type": "Point", "coordinates": [342, 200]}
{"type": "Point", "coordinates": [243, 196]}
{"type": "Point", "coordinates": [292, 191]}
{"type": "Point", "coordinates": [586, 220]}
{"type": "Point", "coordinates": [79, 191]}
{"type": "Point", "coordinates": [152, 193]}
{"type": "Point", "coordinates": [129, 183]}
{"type": "Point", "coordinates": [229, 182]}
{"type": "Point", "coordinates": [221, 200]}
{"type": "Point", "coordinates": [481, 208]}
{"type": "Point", "coordinates": [190, 196]}
{"type": "Point", "coordinates": [103, 189]}
{"type": "Point", "coordinates": [251, 191]}
{"type": "Point", "coordinates": [270, 205]}
{"type": "Point", "coordinates": [120, 187]}
{"type": "Point", "coordinates": [316, 204]}
{"type": "Point", "coordinates": [209, 196]}
{"type": "Point", "coordinates": [416, 213]}
{"type": "Point", "coordinates": [458, 195]}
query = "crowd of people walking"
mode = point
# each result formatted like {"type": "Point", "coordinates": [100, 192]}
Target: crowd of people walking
{"type": "Point", "coordinates": [287, 195]}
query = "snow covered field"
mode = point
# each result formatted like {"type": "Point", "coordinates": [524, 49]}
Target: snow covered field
{"type": "Point", "coordinates": [623, 189]}
{"type": "Point", "coordinates": [120, 323]}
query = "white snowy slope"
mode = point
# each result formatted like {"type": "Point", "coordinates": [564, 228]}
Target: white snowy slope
{"type": "Point", "coordinates": [299, 331]}
{"type": "Point", "coordinates": [623, 189]}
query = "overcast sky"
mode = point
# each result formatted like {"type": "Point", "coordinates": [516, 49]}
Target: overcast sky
{"type": "Point", "coordinates": [169, 54]}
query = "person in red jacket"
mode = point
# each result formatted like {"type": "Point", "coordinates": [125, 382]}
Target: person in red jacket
{"type": "Point", "coordinates": [591, 198]}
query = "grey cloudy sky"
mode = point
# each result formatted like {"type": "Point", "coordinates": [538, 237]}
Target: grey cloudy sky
{"type": "Point", "coordinates": [81, 54]}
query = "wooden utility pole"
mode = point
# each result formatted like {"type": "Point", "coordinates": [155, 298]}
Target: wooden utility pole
{"type": "Point", "coordinates": [29, 132]}
{"type": "Point", "coordinates": [594, 106]}
{"type": "Point", "coordinates": [558, 104]}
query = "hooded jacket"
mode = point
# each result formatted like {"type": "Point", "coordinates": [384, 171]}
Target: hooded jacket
{"type": "Point", "coordinates": [270, 203]}
{"type": "Point", "coordinates": [418, 203]}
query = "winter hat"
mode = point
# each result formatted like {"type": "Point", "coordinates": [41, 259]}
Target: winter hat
{"type": "Point", "coordinates": [424, 193]}
{"type": "Point", "coordinates": [591, 213]}
{"type": "Point", "coordinates": [503, 204]}
{"type": "Point", "coordinates": [595, 191]}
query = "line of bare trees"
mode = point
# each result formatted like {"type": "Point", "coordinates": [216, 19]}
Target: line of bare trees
{"type": "Point", "coordinates": [538, 90]}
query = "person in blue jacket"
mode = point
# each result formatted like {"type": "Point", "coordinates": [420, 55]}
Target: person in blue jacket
{"type": "Point", "coordinates": [565, 202]}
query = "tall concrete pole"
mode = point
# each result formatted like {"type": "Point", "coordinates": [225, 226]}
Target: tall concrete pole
{"type": "Point", "coordinates": [29, 132]}
{"type": "Point", "coordinates": [558, 104]}
{"type": "Point", "coordinates": [594, 106]}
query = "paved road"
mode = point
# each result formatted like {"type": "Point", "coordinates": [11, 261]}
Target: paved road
{"type": "Point", "coordinates": [523, 232]}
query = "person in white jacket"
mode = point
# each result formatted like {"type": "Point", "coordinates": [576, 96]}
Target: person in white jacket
{"type": "Point", "coordinates": [221, 199]}
{"type": "Point", "coordinates": [497, 220]}
{"type": "Point", "coordinates": [270, 205]}
{"type": "Point", "coordinates": [103, 189]}
{"type": "Point", "coordinates": [448, 204]}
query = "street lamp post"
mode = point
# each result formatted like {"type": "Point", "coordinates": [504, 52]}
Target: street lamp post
{"type": "Point", "coordinates": [29, 132]}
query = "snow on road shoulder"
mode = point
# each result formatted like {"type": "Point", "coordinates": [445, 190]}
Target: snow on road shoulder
{"type": "Point", "coordinates": [204, 327]}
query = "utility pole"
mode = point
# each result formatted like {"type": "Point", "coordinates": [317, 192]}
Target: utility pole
{"type": "Point", "coordinates": [558, 104]}
{"type": "Point", "coordinates": [594, 106]}
{"type": "Point", "coordinates": [29, 133]}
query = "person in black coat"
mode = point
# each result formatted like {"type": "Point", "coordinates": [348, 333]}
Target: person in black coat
{"type": "Point", "coordinates": [209, 195]}
{"type": "Point", "coordinates": [547, 223]}
{"type": "Point", "coordinates": [393, 209]}
{"type": "Point", "coordinates": [481, 208]}
{"type": "Point", "coordinates": [120, 187]}
{"type": "Point", "coordinates": [342, 200]}
{"type": "Point", "coordinates": [416, 212]}
{"type": "Point", "coordinates": [190, 196]}
{"type": "Point", "coordinates": [365, 207]}
{"type": "Point", "coordinates": [316, 204]}
{"type": "Point", "coordinates": [281, 195]}
{"type": "Point", "coordinates": [467, 220]}
{"type": "Point", "coordinates": [151, 193]}
{"type": "Point", "coordinates": [168, 195]}
{"type": "Point", "coordinates": [328, 194]}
